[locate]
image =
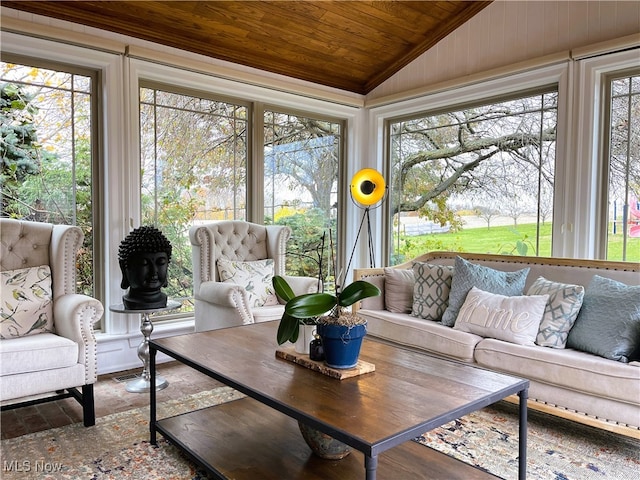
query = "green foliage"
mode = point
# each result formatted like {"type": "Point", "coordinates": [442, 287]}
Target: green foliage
{"type": "Point", "coordinates": [480, 240]}
{"type": "Point", "coordinates": [521, 247]}
{"type": "Point", "coordinates": [305, 249]}
{"type": "Point", "coordinates": [288, 329]}
{"type": "Point", "coordinates": [19, 148]}
{"type": "Point", "coordinates": [37, 184]}
{"type": "Point", "coordinates": [316, 304]}
{"type": "Point", "coordinates": [173, 215]}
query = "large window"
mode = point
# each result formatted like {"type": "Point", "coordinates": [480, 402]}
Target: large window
{"type": "Point", "coordinates": [301, 163]}
{"type": "Point", "coordinates": [478, 178]}
{"type": "Point", "coordinates": [193, 161]}
{"type": "Point", "coordinates": [622, 98]}
{"type": "Point", "coordinates": [47, 150]}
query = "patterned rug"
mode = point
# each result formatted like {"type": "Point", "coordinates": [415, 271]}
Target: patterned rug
{"type": "Point", "coordinates": [118, 447]}
{"type": "Point", "coordinates": [557, 449]}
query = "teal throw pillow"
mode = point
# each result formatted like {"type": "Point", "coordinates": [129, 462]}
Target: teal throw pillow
{"type": "Point", "coordinates": [608, 324]}
{"type": "Point", "coordinates": [468, 275]}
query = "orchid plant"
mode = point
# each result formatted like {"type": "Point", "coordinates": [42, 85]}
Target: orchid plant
{"type": "Point", "coordinates": [309, 308]}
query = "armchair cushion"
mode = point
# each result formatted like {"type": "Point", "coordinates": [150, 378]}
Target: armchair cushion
{"type": "Point", "coordinates": [26, 303]}
{"type": "Point", "coordinates": [36, 353]}
{"type": "Point", "coordinates": [254, 276]}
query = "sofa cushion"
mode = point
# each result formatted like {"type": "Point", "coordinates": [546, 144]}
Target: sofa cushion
{"type": "Point", "coordinates": [431, 290]}
{"type": "Point", "coordinates": [512, 319]}
{"type": "Point", "coordinates": [432, 337]}
{"type": "Point", "coordinates": [26, 303]}
{"type": "Point", "coordinates": [35, 353]}
{"type": "Point", "coordinates": [560, 313]}
{"type": "Point", "coordinates": [255, 276]}
{"type": "Point", "coordinates": [570, 369]}
{"type": "Point", "coordinates": [398, 289]}
{"type": "Point", "coordinates": [467, 275]}
{"type": "Point", "coordinates": [609, 321]}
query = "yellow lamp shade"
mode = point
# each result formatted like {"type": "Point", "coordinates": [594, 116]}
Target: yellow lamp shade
{"type": "Point", "coordinates": [367, 186]}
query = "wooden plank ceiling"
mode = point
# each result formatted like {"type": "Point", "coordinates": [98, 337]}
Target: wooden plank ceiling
{"type": "Point", "coordinates": [350, 45]}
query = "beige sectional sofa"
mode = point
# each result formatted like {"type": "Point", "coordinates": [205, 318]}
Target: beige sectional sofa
{"type": "Point", "coordinates": [564, 381]}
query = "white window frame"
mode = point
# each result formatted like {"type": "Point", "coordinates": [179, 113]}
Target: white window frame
{"type": "Point", "coordinates": [481, 91]}
{"type": "Point", "coordinates": [261, 98]}
{"type": "Point", "coordinates": [120, 173]}
{"type": "Point", "coordinates": [591, 77]}
{"type": "Point", "coordinates": [109, 66]}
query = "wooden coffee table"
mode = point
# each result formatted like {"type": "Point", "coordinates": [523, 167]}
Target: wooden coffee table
{"type": "Point", "coordinates": [378, 413]}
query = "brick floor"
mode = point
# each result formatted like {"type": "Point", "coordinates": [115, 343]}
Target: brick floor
{"type": "Point", "coordinates": [110, 397]}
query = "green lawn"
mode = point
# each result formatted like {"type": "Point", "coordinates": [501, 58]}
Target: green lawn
{"type": "Point", "coordinates": [502, 240]}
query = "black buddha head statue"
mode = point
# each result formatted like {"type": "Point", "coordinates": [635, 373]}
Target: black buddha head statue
{"type": "Point", "coordinates": [144, 257]}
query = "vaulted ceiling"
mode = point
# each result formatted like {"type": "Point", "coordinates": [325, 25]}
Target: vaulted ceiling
{"type": "Point", "coordinates": [350, 45]}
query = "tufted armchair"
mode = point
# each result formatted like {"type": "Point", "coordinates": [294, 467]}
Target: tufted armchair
{"type": "Point", "coordinates": [219, 303]}
{"type": "Point", "coordinates": [58, 357]}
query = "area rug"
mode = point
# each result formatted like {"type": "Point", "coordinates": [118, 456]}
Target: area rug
{"type": "Point", "coordinates": [557, 449]}
{"type": "Point", "coordinates": [118, 447]}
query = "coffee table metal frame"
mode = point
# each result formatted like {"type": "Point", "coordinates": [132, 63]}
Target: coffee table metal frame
{"type": "Point", "coordinates": [370, 450]}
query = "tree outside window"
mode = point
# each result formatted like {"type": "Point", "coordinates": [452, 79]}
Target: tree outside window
{"type": "Point", "coordinates": [301, 164]}
{"type": "Point", "coordinates": [193, 169]}
{"type": "Point", "coordinates": [476, 179]}
{"type": "Point", "coordinates": [46, 154]}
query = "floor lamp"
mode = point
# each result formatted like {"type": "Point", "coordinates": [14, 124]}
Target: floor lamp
{"type": "Point", "coordinates": [368, 190]}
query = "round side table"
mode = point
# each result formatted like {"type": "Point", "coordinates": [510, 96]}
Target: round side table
{"type": "Point", "coordinates": [143, 384]}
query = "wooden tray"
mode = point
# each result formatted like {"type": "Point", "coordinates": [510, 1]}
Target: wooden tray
{"type": "Point", "coordinates": [289, 354]}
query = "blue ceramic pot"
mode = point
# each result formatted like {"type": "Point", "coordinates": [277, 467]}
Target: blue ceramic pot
{"type": "Point", "coordinates": [341, 344]}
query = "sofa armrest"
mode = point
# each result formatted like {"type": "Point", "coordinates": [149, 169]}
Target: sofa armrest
{"type": "Point", "coordinates": [301, 285]}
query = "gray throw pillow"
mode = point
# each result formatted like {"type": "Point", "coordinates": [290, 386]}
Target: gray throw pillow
{"type": "Point", "coordinates": [468, 275]}
{"type": "Point", "coordinates": [398, 289]}
{"type": "Point", "coordinates": [431, 290]}
{"type": "Point", "coordinates": [608, 324]}
{"type": "Point", "coordinates": [560, 313]}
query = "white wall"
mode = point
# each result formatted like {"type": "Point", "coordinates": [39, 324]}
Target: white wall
{"type": "Point", "coordinates": [509, 32]}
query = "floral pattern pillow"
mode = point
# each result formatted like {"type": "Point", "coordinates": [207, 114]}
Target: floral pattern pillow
{"type": "Point", "coordinates": [255, 276]}
{"type": "Point", "coordinates": [27, 302]}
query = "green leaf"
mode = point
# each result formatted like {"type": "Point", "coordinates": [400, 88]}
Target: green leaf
{"type": "Point", "coordinates": [282, 288]}
{"type": "Point", "coordinates": [310, 305]}
{"type": "Point", "coordinates": [288, 329]}
{"type": "Point", "coordinates": [356, 292]}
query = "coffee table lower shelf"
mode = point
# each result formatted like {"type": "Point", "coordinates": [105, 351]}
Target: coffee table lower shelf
{"type": "Point", "coordinates": [246, 440]}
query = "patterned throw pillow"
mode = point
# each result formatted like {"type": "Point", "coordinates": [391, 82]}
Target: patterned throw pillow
{"type": "Point", "coordinates": [256, 277]}
{"type": "Point", "coordinates": [27, 302]}
{"type": "Point", "coordinates": [398, 289]}
{"type": "Point", "coordinates": [608, 324]}
{"type": "Point", "coordinates": [514, 319]}
{"type": "Point", "coordinates": [560, 313]}
{"type": "Point", "coordinates": [431, 290]}
{"type": "Point", "coordinates": [468, 275]}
